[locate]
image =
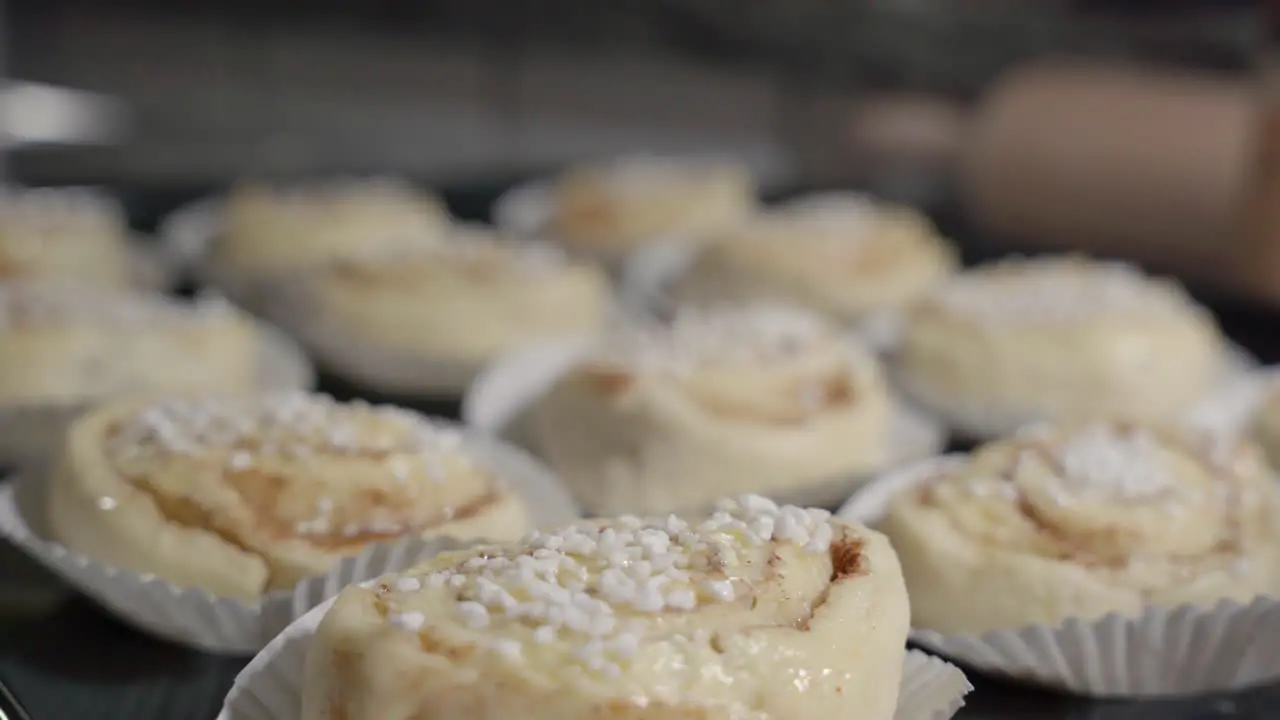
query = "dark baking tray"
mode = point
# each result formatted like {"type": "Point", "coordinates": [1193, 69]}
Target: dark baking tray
{"type": "Point", "coordinates": [65, 659]}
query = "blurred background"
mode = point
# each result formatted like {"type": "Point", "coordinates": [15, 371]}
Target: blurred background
{"type": "Point", "coordinates": [990, 110]}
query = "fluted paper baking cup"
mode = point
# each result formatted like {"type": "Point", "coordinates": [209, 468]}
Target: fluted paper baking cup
{"type": "Point", "coordinates": [1163, 652]}
{"type": "Point", "coordinates": [977, 420]}
{"type": "Point", "coordinates": [500, 398]}
{"type": "Point", "coordinates": [186, 236]}
{"type": "Point", "coordinates": [270, 686]}
{"type": "Point", "coordinates": [201, 620]}
{"type": "Point", "coordinates": [32, 431]}
{"type": "Point", "coordinates": [648, 273]}
{"type": "Point", "coordinates": [525, 210]}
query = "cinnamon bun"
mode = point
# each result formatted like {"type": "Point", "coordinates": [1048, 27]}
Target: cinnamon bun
{"type": "Point", "coordinates": [763, 399]}
{"type": "Point", "coordinates": [458, 304]}
{"type": "Point", "coordinates": [270, 230]}
{"type": "Point", "coordinates": [605, 210]}
{"type": "Point", "coordinates": [63, 234]}
{"type": "Point", "coordinates": [64, 343]}
{"type": "Point", "coordinates": [1083, 520]}
{"type": "Point", "coordinates": [756, 611]}
{"type": "Point", "coordinates": [845, 256]}
{"type": "Point", "coordinates": [241, 496]}
{"type": "Point", "coordinates": [1060, 338]}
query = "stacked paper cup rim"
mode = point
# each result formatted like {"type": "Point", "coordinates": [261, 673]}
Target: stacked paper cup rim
{"type": "Point", "coordinates": [1160, 653]}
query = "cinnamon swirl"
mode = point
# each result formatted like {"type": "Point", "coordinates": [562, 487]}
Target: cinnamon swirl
{"type": "Point", "coordinates": [757, 611]}
{"type": "Point", "coordinates": [269, 230]}
{"type": "Point", "coordinates": [458, 304]}
{"type": "Point", "coordinates": [845, 256]}
{"type": "Point", "coordinates": [64, 343]}
{"type": "Point", "coordinates": [1083, 520]}
{"type": "Point", "coordinates": [760, 399]}
{"type": "Point", "coordinates": [1061, 338]}
{"type": "Point", "coordinates": [605, 210]}
{"type": "Point", "coordinates": [63, 234]}
{"type": "Point", "coordinates": [240, 496]}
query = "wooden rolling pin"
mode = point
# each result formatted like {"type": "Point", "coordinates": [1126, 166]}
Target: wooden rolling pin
{"type": "Point", "coordinates": [1146, 164]}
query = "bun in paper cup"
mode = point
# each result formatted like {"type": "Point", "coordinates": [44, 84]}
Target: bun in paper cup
{"type": "Point", "coordinates": [275, 683]}
{"type": "Point", "coordinates": [32, 431]}
{"type": "Point", "coordinates": [254, 600]}
{"type": "Point", "coordinates": [427, 320]}
{"type": "Point", "coordinates": [649, 273]}
{"type": "Point", "coordinates": [502, 397]}
{"type": "Point", "coordinates": [1100, 559]}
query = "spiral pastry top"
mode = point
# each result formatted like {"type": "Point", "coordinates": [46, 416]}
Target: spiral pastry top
{"type": "Point", "coordinates": [1061, 338]}
{"type": "Point", "coordinates": [242, 495]}
{"type": "Point", "coordinates": [842, 255]}
{"type": "Point", "coordinates": [605, 210]}
{"type": "Point", "coordinates": [468, 298]}
{"type": "Point", "coordinates": [1081, 520]}
{"type": "Point", "coordinates": [63, 234]}
{"type": "Point", "coordinates": [757, 611]}
{"type": "Point", "coordinates": [270, 230]}
{"type": "Point", "coordinates": [61, 342]}
{"type": "Point", "coordinates": [749, 399]}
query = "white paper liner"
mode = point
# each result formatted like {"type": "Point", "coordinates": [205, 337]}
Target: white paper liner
{"type": "Point", "coordinates": [1164, 652]}
{"type": "Point", "coordinates": [30, 432]}
{"type": "Point", "coordinates": [648, 273]}
{"type": "Point", "coordinates": [525, 210]}
{"type": "Point", "coordinates": [270, 686]}
{"type": "Point", "coordinates": [186, 236]}
{"type": "Point", "coordinates": [498, 401]}
{"type": "Point", "coordinates": [985, 421]}
{"type": "Point", "coordinates": [198, 619]}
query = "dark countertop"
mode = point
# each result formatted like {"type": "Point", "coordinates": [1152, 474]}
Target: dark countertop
{"type": "Point", "coordinates": [67, 660]}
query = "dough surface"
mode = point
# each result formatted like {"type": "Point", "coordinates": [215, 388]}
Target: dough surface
{"type": "Point", "coordinates": [1266, 423]}
{"type": "Point", "coordinates": [763, 399]}
{"type": "Point", "coordinates": [56, 234]}
{"type": "Point", "coordinates": [271, 230]}
{"type": "Point", "coordinates": [1082, 520]}
{"type": "Point", "coordinates": [243, 495]}
{"type": "Point", "coordinates": [756, 612]}
{"type": "Point", "coordinates": [606, 210]}
{"type": "Point", "coordinates": [843, 255]}
{"type": "Point", "coordinates": [60, 342]}
{"type": "Point", "coordinates": [467, 300]}
{"type": "Point", "coordinates": [1061, 339]}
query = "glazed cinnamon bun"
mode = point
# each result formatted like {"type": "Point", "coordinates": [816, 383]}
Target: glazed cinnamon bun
{"type": "Point", "coordinates": [1061, 338]}
{"type": "Point", "coordinates": [756, 611]}
{"type": "Point", "coordinates": [846, 256]}
{"type": "Point", "coordinates": [1082, 520]}
{"type": "Point", "coordinates": [764, 399]}
{"type": "Point", "coordinates": [606, 210]}
{"type": "Point", "coordinates": [65, 343]}
{"type": "Point", "coordinates": [454, 306]}
{"type": "Point", "coordinates": [241, 496]}
{"type": "Point", "coordinates": [72, 235]}
{"type": "Point", "coordinates": [269, 230]}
